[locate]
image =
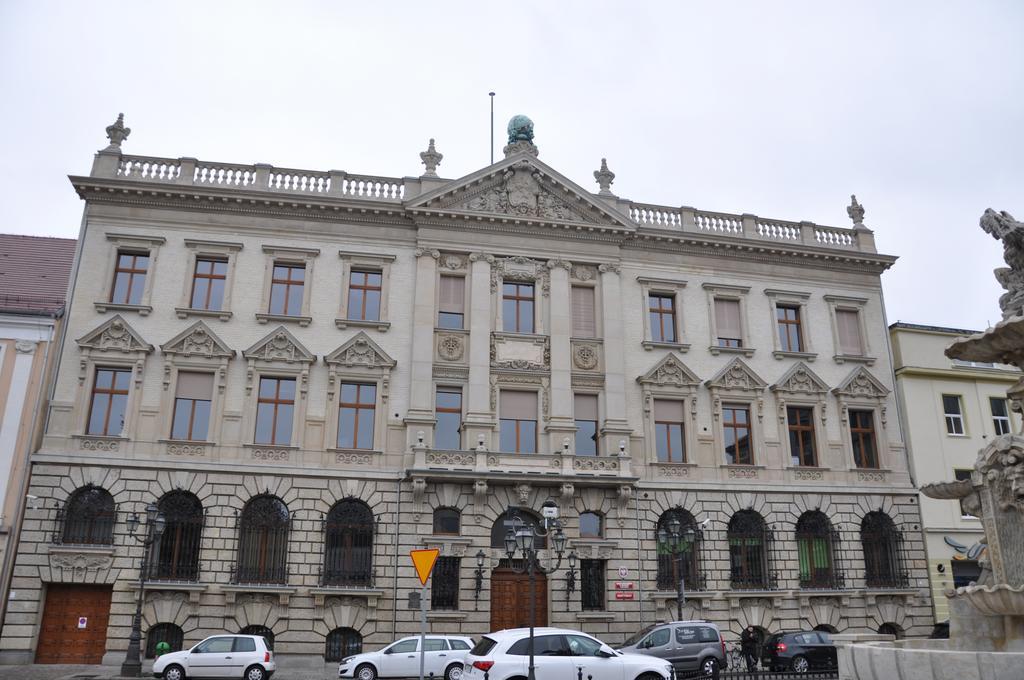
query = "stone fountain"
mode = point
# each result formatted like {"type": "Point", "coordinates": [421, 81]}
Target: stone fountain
{"type": "Point", "coordinates": [986, 631]}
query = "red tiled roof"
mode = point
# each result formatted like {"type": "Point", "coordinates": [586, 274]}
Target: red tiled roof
{"type": "Point", "coordinates": [34, 273]}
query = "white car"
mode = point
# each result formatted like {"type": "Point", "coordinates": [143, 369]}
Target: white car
{"type": "Point", "coordinates": [220, 656]}
{"type": "Point", "coordinates": [559, 654]}
{"type": "Point", "coordinates": [442, 656]}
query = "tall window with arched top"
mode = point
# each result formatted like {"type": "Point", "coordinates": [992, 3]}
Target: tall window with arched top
{"type": "Point", "coordinates": [348, 545]}
{"type": "Point", "coordinates": [511, 520]}
{"type": "Point", "coordinates": [749, 545]}
{"type": "Point", "coordinates": [89, 517]}
{"type": "Point", "coordinates": [447, 521]}
{"type": "Point", "coordinates": [175, 555]}
{"type": "Point", "coordinates": [816, 544]}
{"type": "Point", "coordinates": [342, 642]}
{"type": "Point", "coordinates": [883, 552]}
{"type": "Point", "coordinates": [263, 541]}
{"type": "Point", "coordinates": [679, 555]}
{"type": "Point", "coordinates": [164, 632]}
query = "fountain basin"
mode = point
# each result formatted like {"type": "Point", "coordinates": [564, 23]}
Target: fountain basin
{"type": "Point", "coordinates": [998, 600]}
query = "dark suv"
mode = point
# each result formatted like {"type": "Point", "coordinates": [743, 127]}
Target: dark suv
{"type": "Point", "coordinates": [688, 645]}
{"type": "Point", "coordinates": [799, 652]}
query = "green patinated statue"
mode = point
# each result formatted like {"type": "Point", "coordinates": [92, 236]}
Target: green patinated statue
{"type": "Point", "coordinates": [520, 129]}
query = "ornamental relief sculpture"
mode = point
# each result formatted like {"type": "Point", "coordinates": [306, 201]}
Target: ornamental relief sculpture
{"type": "Point", "coordinates": [585, 356]}
{"type": "Point", "coordinates": [450, 347]}
{"type": "Point", "coordinates": [524, 191]}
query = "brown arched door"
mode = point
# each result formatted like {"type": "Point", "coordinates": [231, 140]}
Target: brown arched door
{"type": "Point", "coordinates": [510, 599]}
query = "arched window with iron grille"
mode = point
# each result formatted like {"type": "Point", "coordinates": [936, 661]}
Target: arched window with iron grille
{"type": "Point", "coordinates": [750, 542]}
{"type": "Point", "coordinates": [348, 545]}
{"type": "Point", "coordinates": [267, 634]}
{"type": "Point", "coordinates": [89, 517]}
{"type": "Point", "coordinates": [164, 632]}
{"type": "Point", "coordinates": [447, 521]}
{"type": "Point", "coordinates": [175, 555]}
{"type": "Point", "coordinates": [263, 541]}
{"type": "Point", "coordinates": [816, 545]}
{"type": "Point", "coordinates": [514, 518]}
{"type": "Point", "coordinates": [342, 642]}
{"type": "Point", "coordinates": [685, 558]}
{"type": "Point", "coordinates": [883, 552]}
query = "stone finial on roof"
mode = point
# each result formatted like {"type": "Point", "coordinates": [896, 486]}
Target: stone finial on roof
{"type": "Point", "coordinates": [856, 212]}
{"type": "Point", "coordinates": [431, 158]}
{"type": "Point", "coordinates": [604, 178]}
{"type": "Point", "coordinates": [117, 133]}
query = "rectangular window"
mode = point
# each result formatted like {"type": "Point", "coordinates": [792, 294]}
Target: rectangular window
{"type": "Point", "coordinates": [129, 278]}
{"type": "Point", "coordinates": [444, 587]}
{"type": "Point", "coordinates": [275, 409]}
{"type": "Point", "coordinates": [592, 585]}
{"type": "Point", "coordinates": [862, 433]}
{"type": "Point", "coordinates": [790, 337]}
{"type": "Point", "coordinates": [954, 414]}
{"type": "Point", "coordinates": [848, 329]}
{"type": "Point", "coordinates": [192, 399]}
{"type": "Point", "coordinates": [364, 295]}
{"type": "Point", "coordinates": [518, 422]}
{"type": "Point", "coordinates": [355, 416]}
{"type": "Point", "coordinates": [448, 411]}
{"type": "Point", "coordinates": [1000, 416]}
{"type": "Point", "coordinates": [727, 323]}
{"type": "Point", "coordinates": [736, 430]}
{"type": "Point", "coordinates": [584, 324]}
{"type": "Point", "coordinates": [109, 401]}
{"type": "Point", "coordinates": [668, 431]}
{"type": "Point", "coordinates": [662, 309]}
{"type": "Point", "coordinates": [208, 282]}
{"type": "Point", "coordinates": [517, 307]}
{"type": "Point", "coordinates": [801, 435]}
{"type": "Point", "coordinates": [286, 289]}
{"type": "Point", "coordinates": [585, 413]}
{"type": "Point", "coordinates": [452, 302]}
{"type": "Point", "coordinates": [960, 475]}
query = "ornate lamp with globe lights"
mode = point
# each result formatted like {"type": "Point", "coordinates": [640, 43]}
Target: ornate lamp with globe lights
{"type": "Point", "coordinates": [154, 527]}
{"type": "Point", "coordinates": [675, 542]}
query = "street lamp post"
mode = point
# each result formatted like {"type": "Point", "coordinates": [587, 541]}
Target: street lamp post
{"type": "Point", "coordinates": [155, 521]}
{"type": "Point", "coordinates": [674, 541]}
{"type": "Point", "coordinates": [521, 537]}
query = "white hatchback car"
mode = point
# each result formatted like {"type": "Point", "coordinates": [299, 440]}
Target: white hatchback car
{"type": "Point", "coordinates": [559, 654]}
{"type": "Point", "coordinates": [221, 656]}
{"type": "Point", "coordinates": [442, 656]}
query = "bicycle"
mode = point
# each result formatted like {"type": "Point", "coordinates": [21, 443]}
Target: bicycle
{"type": "Point", "coordinates": [735, 659]}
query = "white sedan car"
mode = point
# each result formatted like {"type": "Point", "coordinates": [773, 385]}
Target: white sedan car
{"type": "Point", "coordinates": [559, 654]}
{"type": "Point", "coordinates": [442, 656]}
{"type": "Point", "coordinates": [220, 656]}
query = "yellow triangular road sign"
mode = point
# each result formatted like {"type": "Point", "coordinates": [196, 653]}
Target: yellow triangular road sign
{"type": "Point", "coordinates": [424, 560]}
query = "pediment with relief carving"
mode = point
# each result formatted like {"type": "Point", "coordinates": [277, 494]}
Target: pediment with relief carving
{"type": "Point", "coordinates": [114, 335]}
{"type": "Point", "coordinates": [670, 371]}
{"type": "Point", "coordinates": [524, 187]}
{"type": "Point", "coordinates": [280, 345]}
{"type": "Point", "coordinates": [861, 384]}
{"type": "Point", "coordinates": [800, 380]}
{"type": "Point", "coordinates": [360, 351]}
{"type": "Point", "coordinates": [737, 376]}
{"type": "Point", "coordinates": [197, 340]}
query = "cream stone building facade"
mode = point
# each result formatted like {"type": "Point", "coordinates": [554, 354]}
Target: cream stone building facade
{"type": "Point", "coordinates": [313, 373]}
{"type": "Point", "coordinates": [951, 410]}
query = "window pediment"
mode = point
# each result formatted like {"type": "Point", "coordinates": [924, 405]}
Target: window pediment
{"type": "Point", "coordinates": [115, 335]}
{"type": "Point", "coordinates": [197, 341]}
{"type": "Point", "coordinates": [280, 346]}
{"type": "Point", "coordinates": [800, 380]}
{"type": "Point", "coordinates": [737, 376]}
{"type": "Point", "coordinates": [861, 384]}
{"type": "Point", "coordinates": [360, 351]}
{"type": "Point", "coordinates": [670, 372]}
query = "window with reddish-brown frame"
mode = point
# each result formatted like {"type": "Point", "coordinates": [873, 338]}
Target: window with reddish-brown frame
{"type": "Point", "coordinates": [790, 332]}
{"type": "Point", "coordinates": [364, 291]}
{"type": "Point", "coordinates": [662, 310]}
{"type": "Point", "coordinates": [275, 410]}
{"type": "Point", "coordinates": [668, 430]}
{"type": "Point", "coordinates": [862, 434]}
{"type": "Point", "coordinates": [109, 401]}
{"type": "Point", "coordinates": [356, 415]}
{"type": "Point", "coordinates": [517, 307]}
{"type": "Point", "coordinates": [208, 283]}
{"type": "Point", "coordinates": [518, 421]}
{"type": "Point", "coordinates": [192, 399]}
{"type": "Point", "coordinates": [736, 432]}
{"type": "Point", "coordinates": [800, 421]}
{"type": "Point", "coordinates": [129, 278]}
{"type": "Point", "coordinates": [287, 288]}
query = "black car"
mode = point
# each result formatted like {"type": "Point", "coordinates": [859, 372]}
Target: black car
{"type": "Point", "coordinates": [799, 652]}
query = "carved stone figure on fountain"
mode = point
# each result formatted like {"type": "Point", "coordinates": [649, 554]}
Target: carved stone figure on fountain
{"type": "Point", "coordinates": [1001, 225]}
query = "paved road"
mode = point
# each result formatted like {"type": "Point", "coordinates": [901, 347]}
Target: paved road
{"type": "Point", "coordinates": [61, 672]}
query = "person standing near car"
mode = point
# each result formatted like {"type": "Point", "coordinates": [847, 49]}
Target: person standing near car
{"type": "Point", "coordinates": [749, 644]}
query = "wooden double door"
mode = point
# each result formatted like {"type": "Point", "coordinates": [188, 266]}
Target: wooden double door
{"type": "Point", "coordinates": [510, 599]}
{"type": "Point", "coordinates": [74, 628]}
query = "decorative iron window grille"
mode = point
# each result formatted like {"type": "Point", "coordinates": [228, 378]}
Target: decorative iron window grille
{"type": "Point", "coordinates": [751, 542]}
{"type": "Point", "coordinates": [88, 518]}
{"type": "Point", "coordinates": [267, 634]}
{"type": "Point", "coordinates": [175, 555]}
{"type": "Point", "coordinates": [444, 587]}
{"type": "Point", "coordinates": [164, 632]}
{"type": "Point", "coordinates": [884, 552]}
{"type": "Point", "coordinates": [447, 521]}
{"type": "Point", "coordinates": [348, 545]}
{"type": "Point", "coordinates": [263, 529]}
{"type": "Point", "coordinates": [342, 642]}
{"type": "Point", "coordinates": [817, 545]}
{"type": "Point", "coordinates": [669, 563]}
{"type": "Point", "coordinates": [592, 585]}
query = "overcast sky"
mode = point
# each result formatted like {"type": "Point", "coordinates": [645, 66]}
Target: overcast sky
{"type": "Point", "coordinates": [781, 109]}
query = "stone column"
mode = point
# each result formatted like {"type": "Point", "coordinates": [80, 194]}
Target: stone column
{"type": "Point", "coordinates": [561, 423]}
{"type": "Point", "coordinates": [14, 412]}
{"type": "Point", "coordinates": [616, 426]}
{"type": "Point", "coordinates": [479, 416]}
{"type": "Point", "coordinates": [421, 398]}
